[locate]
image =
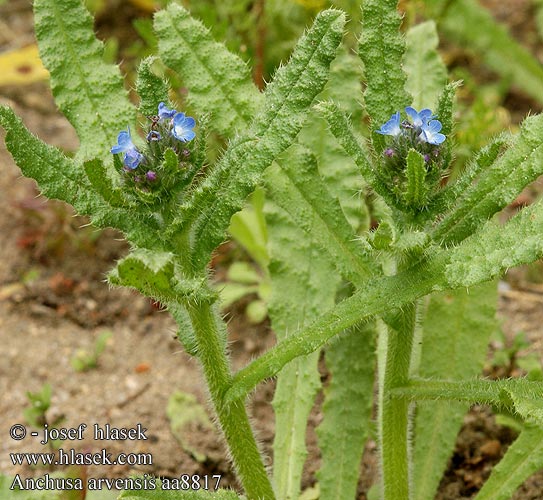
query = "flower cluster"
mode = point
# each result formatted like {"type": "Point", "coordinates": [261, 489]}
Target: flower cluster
{"type": "Point", "coordinates": [421, 131]}
{"type": "Point", "coordinates": [169, 129]}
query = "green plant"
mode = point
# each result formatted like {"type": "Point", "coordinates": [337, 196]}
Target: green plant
{"type": "Point", "coordinates": [36, 412]}
{"type": "Point", "coordinates": [39, 404]}
{"type": "Point", "coordinates": [507, 356]}
{"type": "Point", "coordinates": [368, 251]}
{"type": "Point", "coordinates": [83, 361]}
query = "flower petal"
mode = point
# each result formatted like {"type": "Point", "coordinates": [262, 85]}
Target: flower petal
{"type": "Point", "coordinates": [392, 126]}
{"type": "Point", "coordinates": [419, 118]}
{"type": "Point", "coordinates": [164, 112]}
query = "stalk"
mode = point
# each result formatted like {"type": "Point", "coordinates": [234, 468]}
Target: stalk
{"type": "Point", "coordinates": [232, 417]}
{"type": "Point", "coordinates": [393, 413]}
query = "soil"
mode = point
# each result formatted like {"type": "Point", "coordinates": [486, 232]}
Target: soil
{"type": "Point", "coordinates": [54, 301]}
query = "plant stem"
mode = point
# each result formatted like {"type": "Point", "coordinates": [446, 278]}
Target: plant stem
{"type": "Point", "coordinates": [393, 414]}
{"type": "Point", "coordinates": [381, 295]}
{"type": "Point", "coordinates": [233, 418]}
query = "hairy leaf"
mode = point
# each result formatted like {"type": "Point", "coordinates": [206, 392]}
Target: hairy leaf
{"type": "Point", "coordinates": [295, 185]}
{"type": "Point", "coordinates": [342, 130]}
{"type": "Point", "coordinates": [176, 493]}
{"type": "Point", "coordinates": [445, 107]}
{"type": "Point", "coordinates": [426, 72]}
{"type": "Point", "coordinates": [219, 82]}
{"type": "Point", "coordinates": [149, 272]}
{"type": "Point", "coordinates": [151, 89]}
{"type": "Point", "coordinates": [495, 248]}
{"type": "Point", "coordinates": [517, 395]}
{"type": "Point", "coordinates": [99, 178]}
{"type": "Point", "coordinates": [522, 459]}
{"type": "Point", "coordinates": [497, 185]}
{"type": "Point", "coordinates": [64, 179]}
{"type": "Point", "coordinates": [347, 411]}
{"type": "Point", "coordinates": [288, 99]}
{"type": "Point", "coordinates": [456, 329]}
{"type": "Point", "coordinates": [481, 161]}
{"type": "Point", "coordinates": [299, 266]}
{"type": "Point", "coordinates": [339, 171]}
{"type": "Point", "coordinates": [153, 274]}
{"type": "Point", "coordinates": [88, 91]}
{"type": "Point", "coordinates": [381, 50]}
{"type": "Point", "coordinates": [381, 295]}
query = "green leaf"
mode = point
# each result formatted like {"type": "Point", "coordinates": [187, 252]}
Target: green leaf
{"type": "Point", "coordinates": [354, 146]}
{"type": "Point", "coordinates": [519, 396]}
{"type": "Point", "coordinates": [186, 416]}
{"type": "Point", "coordinates": [445, 107]}
{"type": "Point", "coordinates": [381, 50]}
{"type": "Point", "coordinates": [456, 331]}
{"type": "Point", "coordinates": [88, 91]}
{"type": "Point", "coordinates": [495, 248]}
{"type": "Point", "coordinates": [496, 186]}
{"type": "Point", "coordinates": [151, 89]}
{"type": "Point", "coordinates": [481, 161]}
{"type": "Point", "coordinates": [522, 459]}
{"type": "Point", "coordinates": [161, 493]}
{"type": "Point", "coordinates": [300, 266]}
{"type": "Point", "coordinates": [62, 178]}
{"type": "Point", "coordinates": [152, 273]}
{"type": "Point", "coordinates": [346, 411]}
{"type": "Point", "coordinates": [295, 185]}
{"type": "Point", "coordinates": [426, 72]}
{"type": "Point", "coordinates": [98, 176]}
{"type": "Point", "coordinates": [219, 82]}
{"type": "Point", "coordinates": [417, 191]}
{"type": "Point", "coordinates": [288, 99]}
{"type": "Point", "coordinates": [243, 272]}
{"type": "Point", "coordinates": [344, 86]}
{"type": "Point", "coordinates": [491, 40]}
{"type": "Point", "coordinates": [230, 293]}
{"type": "Point", "coordinates": [248, 228]}
{"type": "Point", "coordinates": [339, 172]}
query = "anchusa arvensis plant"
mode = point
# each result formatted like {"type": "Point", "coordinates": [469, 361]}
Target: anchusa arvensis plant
{"type": "Point", "coordinates": [367, 245]}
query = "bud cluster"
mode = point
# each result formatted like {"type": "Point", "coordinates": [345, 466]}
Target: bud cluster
{"type": "Point", "coordinates": [152, 170]}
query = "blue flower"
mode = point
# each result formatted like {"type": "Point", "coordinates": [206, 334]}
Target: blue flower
{"type": "Point", "coordinates": [421, 117]}
{"type": "Point", "coordinates": [182, 127]}
{"type": "Point", "coordinates": [164, 112]}
{"type": "Point", "coordinates": [430, 132]}
{"type": "Point", "coordinates": [132, 157]}
{"type": "Point", "coordinates": [392, 127]}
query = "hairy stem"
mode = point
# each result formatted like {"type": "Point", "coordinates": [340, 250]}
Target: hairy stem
{"type": "Point", "coordinates": [393, 416]}
{"type": "Point", "coordinates": [233, 418]}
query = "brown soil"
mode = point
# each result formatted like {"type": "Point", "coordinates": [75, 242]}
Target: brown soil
{"type": "Point", "coordinates": [54, 301]}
